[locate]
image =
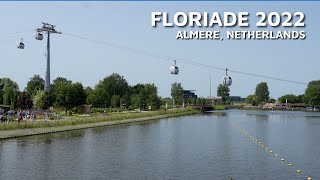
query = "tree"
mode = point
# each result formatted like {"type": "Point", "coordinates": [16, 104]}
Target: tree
{"type": "Point", "coordinates": [262, 92]}
{"type": "Point", "coordinates": [61, 80]}
{"type": "Point", "coordinates": [106, 88]}
{"type": "Point", "coordinates": [48, 99]}
{"type": "Point", "coordinates": [38, 99]}
{"type": "Point", "coordinates": [88, 90]}
{"type": "Point", "coordinates": [98, 97]}
{"type": "Point", "coordinates": [152, 99]}
{"type": "Point", "coordinates": [312, 93]}
{"type": "Point", "coordinates": [24, 101]}
{"type": "Point", "coordinates": [115, 101]}
{"type": "Point", "coordinates": [145, 95]}
{"type": "Point", "coordinates": [1, 92]}
{"type": "Point", "coordinates": [135, 101]}
{"type": "Point", "coordinates": [68, 94]}
{"type": "Point", "coordinates": [290, 98]}
{"type": "Point", "coordinates": [300, 98]}
{"type": "Point", "coordinates": [252, 99]}
{"type": "Point", "coordinates": [81, 96]}
{"type": "Point", "coordinates": [35, 83]}
{"type": "Point", "coordinates": [125, 100]}
{"type": "Point", "coordinates": [114, 85]}
{"type": "Point", "coordinates": [9, 92]}
{"type": "Point", "coordinates": [177, 92]}
{"type": "Point", "coordinates": [271, 100]}
{"type": "Point", "coordinates": [223, 91]}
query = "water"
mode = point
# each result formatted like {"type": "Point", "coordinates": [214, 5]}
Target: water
{"type": "Point", "coordinates": [205, 146]}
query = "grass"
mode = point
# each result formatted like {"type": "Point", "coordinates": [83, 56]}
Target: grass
{"type": "Point", "coordinates": [220, 107]}
{"type": "Point", "coordinates": [96, 119]}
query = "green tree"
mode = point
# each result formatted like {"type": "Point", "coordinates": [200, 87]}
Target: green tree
{"type": "Point", "coordinates": [9, 91]}
{"type": "Point", "coordinates": [177, 93]}
{"type": "Point", "coordinates": [135, 101]}
{"type": "Point", "coordinates": [271, 100]}
{"type": "Point", "coordinates": [312, 93]}
{"type": "Point", "coordinates": [1, 92]}
{"type": "Point", "coordinates": [126, 100]}
{"type": "Point", "coordinates": [115, 101]}
{"type": "Point", "coordinates": [262, 92]}
{"type": "Point", "coordinates": [300, 98]}
{"type": "Point", "coordinates": [98, 97]}
{"type": "Point", "coordinates": [223, 92]}
{"type": "Point", "coordinates": [145, 95]}
{"type": "Point", "coordinates": [38, 99]}
{"type": "Point", "coordinates": [290, 98]}
{"type": "Point", "coordinates": [114, 85]}
{"type": "Point", "coordinates": [35, 83]}
{"type": "Point", "coordinates": [24, 101]}
{"type": "Point", "coordinates": [68, 94]}
{"type": "Point", "coordinates": [252, 99]}
{"type": "Point", "coordinates": [61, 80]}
{"type": "Point", "coordinates": [88, 90]}
{"type": "Point", "coordinates": [106, 88]}
{"type": "Point", "coordinates": [152, 99]}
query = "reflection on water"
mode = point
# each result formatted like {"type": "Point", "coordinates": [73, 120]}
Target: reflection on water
{"type": "Point", "coordinates": [203, 146]}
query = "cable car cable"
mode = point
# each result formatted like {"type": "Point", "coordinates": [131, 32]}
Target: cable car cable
{"type": "Point", "coordinates": [14, 33]}
{"type": "Point", "coordinates": [168, 58]}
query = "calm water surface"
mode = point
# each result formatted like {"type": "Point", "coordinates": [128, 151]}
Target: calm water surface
{"type": "Point", "coordinates": [205, 146]}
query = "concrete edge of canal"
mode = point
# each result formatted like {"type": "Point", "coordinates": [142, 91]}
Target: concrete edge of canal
{"type": "Point", "coordinates": [9, 134]}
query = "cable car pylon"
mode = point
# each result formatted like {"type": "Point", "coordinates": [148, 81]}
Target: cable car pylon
{"type": "Point", "coordinates": [49, 29]}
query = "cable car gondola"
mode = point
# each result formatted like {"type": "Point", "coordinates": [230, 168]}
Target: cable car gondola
{"type": "Point", "coordinates": [39, 36]}
{"type": "Point", "coordinates": [21, 45]}
{"type": "Point", "coordinates": [226, 80]}
{"type": "Point", "coordinates": [174, 69]}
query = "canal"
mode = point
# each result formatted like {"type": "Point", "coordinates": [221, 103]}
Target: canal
{"type": "Point", "coordinates": [205, 146]}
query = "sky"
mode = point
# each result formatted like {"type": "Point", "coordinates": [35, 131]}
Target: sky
{"type": "Point", "coordinates": [129, 24]}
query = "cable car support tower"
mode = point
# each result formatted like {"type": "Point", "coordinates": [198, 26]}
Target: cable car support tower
{"type": "Point", "coordinates": [47, 28]}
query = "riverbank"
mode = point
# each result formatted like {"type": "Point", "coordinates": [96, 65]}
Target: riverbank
{"type": "Point", "coordinates": [30, 129]}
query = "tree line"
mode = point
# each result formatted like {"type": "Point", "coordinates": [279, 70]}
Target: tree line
{"type": "Point", "coordinates": [112, 91]}
{"type": "Point", "coordinates": [310, 97]}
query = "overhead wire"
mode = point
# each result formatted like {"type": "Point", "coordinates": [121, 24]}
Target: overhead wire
{"type": "Point", "coordinates": [14, 33]}
{"type": "Point", "coordinates": [171, 58]}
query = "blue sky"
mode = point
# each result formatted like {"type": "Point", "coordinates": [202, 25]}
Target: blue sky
{"type": "Point", "coordinates": [129, 24]}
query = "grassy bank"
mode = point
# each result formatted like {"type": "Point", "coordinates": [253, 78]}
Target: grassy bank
{"type": "Point", "coordinates": [14, 130]}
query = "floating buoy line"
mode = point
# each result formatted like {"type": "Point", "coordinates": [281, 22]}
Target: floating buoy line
{"type": "Point", "coordinates": [267, 149]}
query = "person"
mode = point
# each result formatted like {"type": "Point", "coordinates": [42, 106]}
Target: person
{"type": "Point", "coordinates": [46, 115]}
{"type": "Point", "coordinates": [8, 116]}
{"type": "Point", "coordinates": [20, 116]}
{"type": "Point", "coordinates": [32, 116]}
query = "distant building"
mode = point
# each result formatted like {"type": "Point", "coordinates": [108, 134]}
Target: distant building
{"type": "Point", "coordinates": [84, 109]}
{"type": "Point", "coordinates": [189, 94]}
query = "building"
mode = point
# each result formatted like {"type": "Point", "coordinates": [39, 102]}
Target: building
{"type": "Point", "coordinates": [84, 109]}
{"type": "Point", "coordinates": [189, 94]}
{"type": "Point", "coordinates": [4, 108]}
